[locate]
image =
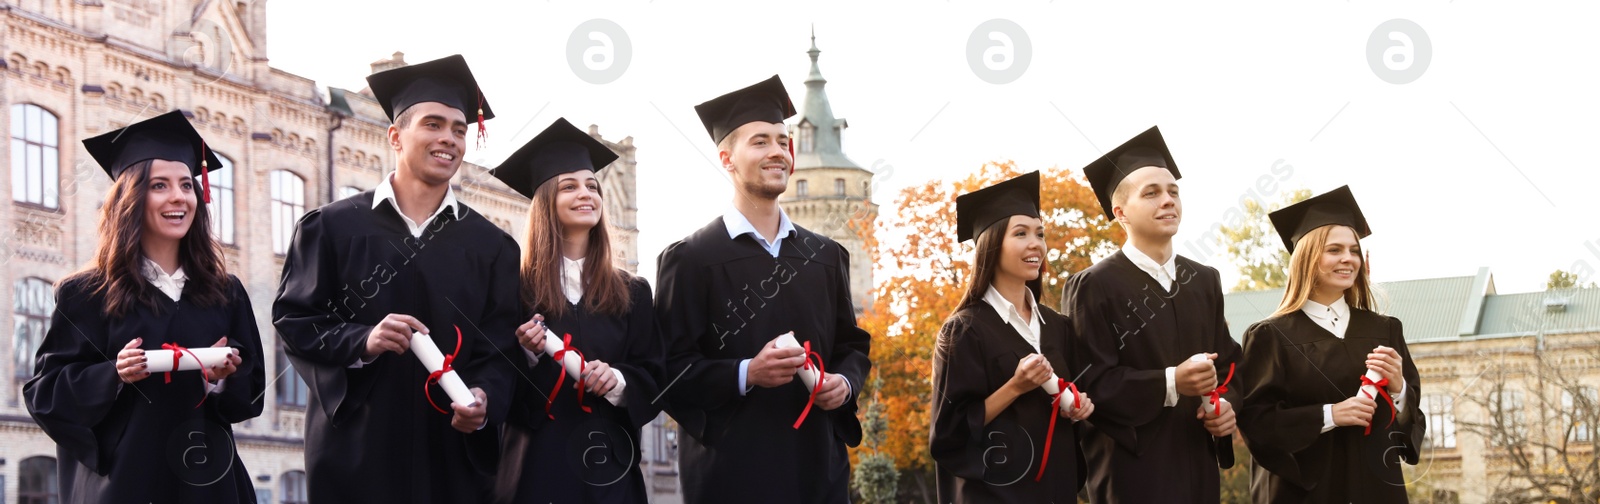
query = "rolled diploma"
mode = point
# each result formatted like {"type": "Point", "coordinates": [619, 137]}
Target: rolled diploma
{"type": "Point", "coordinates": [1051, 388]}
{"type": "Point", "coordinates": [1210, 412]}
{"type": "Point", "coordinates": [570, 360]}
{"type": "Point", "coordinates": [433, 359]}
{"type": "Point", "coordinates": [809, 376]}
{"type": "Point", "coordinates": [1372, 374]}
{"type": "Point", "coordinates": [160, 361]}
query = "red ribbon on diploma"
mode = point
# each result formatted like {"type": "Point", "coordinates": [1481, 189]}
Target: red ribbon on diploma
{"type": "Point", "coordinates": [434, 376]}
{"type": "Point", "coordinates": [822, 377]}
{"type": "Point", "coordinates": [1216, 394]}
{"type": "Point", "coordinates": [177, 354]}
{"type": "Point", "coordinates": [1383, 390]}
{"type": "Point", "coordinates": [583, 368]}
{"type": "Point", "coordinates": [1062, 386]}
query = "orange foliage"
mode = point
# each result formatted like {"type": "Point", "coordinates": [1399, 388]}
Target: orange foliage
{"type": "Point", "coordinates": [927, 273]}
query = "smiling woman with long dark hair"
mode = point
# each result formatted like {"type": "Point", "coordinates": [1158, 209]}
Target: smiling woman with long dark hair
{"type": "Point", "coordinates": [995, 436]}
{"type": "Point", "coordinates": [156, 281]}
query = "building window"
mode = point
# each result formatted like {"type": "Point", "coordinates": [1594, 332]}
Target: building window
{"type": "Point", "coordinates": [35, 165]}
{"type": "Point", "coordinates": [264, 495]}
{"type": "Point", "coordinates": [1505, 409]}
{"type": "Point", "coordinates": [801, 188]}
{"type": "Point", "coordinates": [32, 302]}
{"type": "Point", "coordinates": [866, 188]}
{"type": "Point", "coordinates": [222, 206]}
{"type": "Point", "coordinates": [38, 483]}
{"type": "Point", "coordinates": [292, 487]}
{"type": "Point", "coordinates": [1441, 414]}
{"type": "Point", "coordinates": [838, 187]}
{"type": "Point", "coordinates": [288, 203]}
{"type": "Point", "coordinates": [1581, 411]}
{"type": "Point", "coordinates": [292, 389]}
{"type": "Point", "coordinates": [808, 134]}
{"type": "Point", "coordinates": [347, 191]}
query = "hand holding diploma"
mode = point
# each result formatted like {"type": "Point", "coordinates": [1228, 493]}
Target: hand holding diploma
{"type": "Point", "coordinates": [441, 369]}
{"type": "Point", "coordinates": [814, 375]}
{"type": "Point", "coordinates": [1383, 373]}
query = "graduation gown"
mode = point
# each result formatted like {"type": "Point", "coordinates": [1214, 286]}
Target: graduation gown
{"type": "Point", "coordinates": [1129, 330]}
{"type": "Point", "coordinates": [719, 301]}
{"type": "Point", "coordinates": [976, 354]}
{"type": "Point", "coordinates": [371, 435]}
{"type": "Point", "coordinates": [591, 457]}
{"type": "Point", "coordinates": [1294, 367]}
{"type": "Point", "coordinates": [146, 441]}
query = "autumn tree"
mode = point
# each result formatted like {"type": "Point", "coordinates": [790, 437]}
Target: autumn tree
{"type": "Point", "coordinates": [925, 273]}
{"type": "Point", "coordinates": [1254, 246]}
{"type": "Point", "coordinates": [1563, 279]}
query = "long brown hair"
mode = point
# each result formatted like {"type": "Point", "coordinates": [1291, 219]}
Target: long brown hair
{"type": "Point", "coordinates": [605, 286]}
{"type": "Point", "coordinates": [1303, 275]}
{"type": "Point", "coordinates": [116, 272]}
{"type": "Point", "coordinates": [987, 261]}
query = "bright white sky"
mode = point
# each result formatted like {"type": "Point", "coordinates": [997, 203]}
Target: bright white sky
{"type": "Point", "coordinates": [1472, 164]}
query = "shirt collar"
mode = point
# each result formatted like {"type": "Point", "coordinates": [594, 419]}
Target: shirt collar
{"type": "Point", "coordinates": [737, 224]}
{"type": "Point", "coordinates": [171, 285]}
{"type": "Point", "coordinates": [385, 191]}
{"type": "Point", "coordinates": [572, 279]}
{"type": "Point", "coordinates": [1320, 311]}
{"type": "Point", "coordinates": [1007, 310]}
{"type": "Point", "coordinates": [1149, 265]}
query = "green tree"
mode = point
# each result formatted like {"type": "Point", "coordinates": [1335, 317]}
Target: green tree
{"type": "Point", "coordinates": [1254, 245]}
{"type": "Point", "coordinates": [876, 478]}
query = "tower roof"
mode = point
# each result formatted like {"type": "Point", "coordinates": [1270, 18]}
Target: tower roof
{"type": "Point", "coordinates": [826, 151]}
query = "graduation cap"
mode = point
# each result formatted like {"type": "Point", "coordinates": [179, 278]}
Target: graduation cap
{"type": "Point", "coordinates": [1107, 172]}
{"type": "Point", "coordinates": [977, 210]}
{"type": "Point", "coordinates": [446, 80]}
{"type": "Point", "coordinates": [167, 136]}
{"type": "Point", "coordinates": [560, 148]}
{"type": "Point", "coordinates": [1336, 207]}
{"type": "Point", "coordinates": [764, 101]}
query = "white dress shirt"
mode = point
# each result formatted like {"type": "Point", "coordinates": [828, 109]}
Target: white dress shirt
{"type": "Point", "coordinates": [385, 191]}
{"type": "Point", "coordinates": [172, 286]}
{"type": "Point", "coordinates": [1028, 328]}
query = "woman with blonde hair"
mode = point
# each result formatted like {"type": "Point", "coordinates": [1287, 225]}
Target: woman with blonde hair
{"type": "Point", "coordinates": [1330, 389]}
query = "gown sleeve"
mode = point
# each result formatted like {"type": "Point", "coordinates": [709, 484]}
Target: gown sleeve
{"type": "Point", "coordinates": [959, 390]}
{"type": "Point", "coordinates": [645, 361]}
{"type": "Point", "coordinates": [320, 339]}
{"type": "Point", "coordinates": [75, 385]}
{"type": "Point", "coordinates": [696, 383]}
{"type": "Point", "coordinates": [241, 399]}
{"type": "Point", "coordinates": [1122, 395]}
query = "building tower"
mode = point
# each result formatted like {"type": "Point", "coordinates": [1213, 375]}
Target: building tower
{"type": "Point", "coordinates": [828, 193]}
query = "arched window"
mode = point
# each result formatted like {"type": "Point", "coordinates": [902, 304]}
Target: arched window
{"type": "Point", "coordinates": [347, 191]}
{"type": "Point", "coordinates": [288, 203]}
{"type": "Point", "coordinates": [292, 488]}
{"type": "Point", "coordinates": [808, 137]}
{"type": "Point", "coordinates": [838, 187]}
{"type": "Point", "coordinates": [801, 188]}
{"type": "Point", "coordinates": [38, 483]}
{"type": "Point", "coordinates": [35, 161]}
{"type": "Point", "coordinates": [33, 300]}
{"type": "Point", "coordinates": [222, 202]}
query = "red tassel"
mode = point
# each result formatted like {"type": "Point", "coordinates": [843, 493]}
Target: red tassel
{"type": "Point", "coordinates": [483, 134]}
{"type": "Point", "coordinates": [205, 179]}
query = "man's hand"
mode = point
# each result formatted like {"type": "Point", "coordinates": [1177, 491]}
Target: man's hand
{"type": "Point", "coordinates": [392, 334]}
{"type": "Point", "coordinates": [468, 420]}
{"type": "Point", "coordinates": [1196, 378]}
{"type": "Point", "coordinates": [774, 366]}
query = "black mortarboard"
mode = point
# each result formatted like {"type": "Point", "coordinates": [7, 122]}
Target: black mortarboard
{"type": "Point", "coordinates": [977, 210]}
{"type": "Point", "coordinates": [446, 80]}
{"type": "Point", "coordinates": [1105, 173]}
{"type": "Point", "coordinates": [766, 101]}
{"type": "Point", "coordinates": [560, 148]}
{"type": "Point", "coordinates": [1333, 207]}
{"type": "Point", "coordinates": [167, 136]}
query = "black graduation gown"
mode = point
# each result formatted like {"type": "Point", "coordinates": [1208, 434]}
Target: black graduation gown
{"type": "Point", "coordinates": [591, 457]}
{"type": "Point", "coordinates": [1294, 367]}
{"type": "Point", "coordinates": [371, 435]}
{"type": "Point", "coordinates": [977, 353]}
{"type": "Point", "coordinates": [719, 302]}
{"type": "Point", "coordinates": [1129, 331]}
{"type": "Point", "coordinates": [146, 441]}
